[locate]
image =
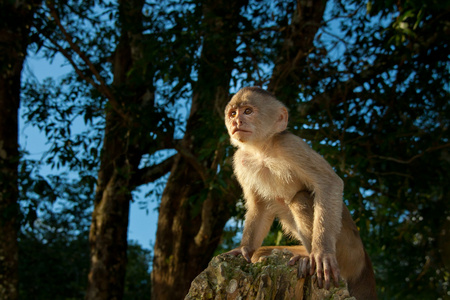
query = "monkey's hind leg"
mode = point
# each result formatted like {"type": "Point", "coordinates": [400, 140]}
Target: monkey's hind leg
{"type": "Point", "coordinates": [363, 286]}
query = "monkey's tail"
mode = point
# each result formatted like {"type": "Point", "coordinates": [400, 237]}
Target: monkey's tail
{"type": "Point", "coordinates": [363, 286]}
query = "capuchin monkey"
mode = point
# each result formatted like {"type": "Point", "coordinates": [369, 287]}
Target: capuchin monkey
{"type": "Point", "coordinates": [282, 177]}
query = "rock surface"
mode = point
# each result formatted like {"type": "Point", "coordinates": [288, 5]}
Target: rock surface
{"type": "Point", "coordinates": [229, 277]}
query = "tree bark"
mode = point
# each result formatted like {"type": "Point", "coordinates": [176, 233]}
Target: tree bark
{"type": "Point", "coordinates": [192, 212]}
{"type": "Point", "coordinates": [123, 147]}
{"type": "Point", "coordinates": [298, 42]}
{"type": "Point", "coordinates": [15, 23]}
{"type": "Point", "coordinates": [108, 233]}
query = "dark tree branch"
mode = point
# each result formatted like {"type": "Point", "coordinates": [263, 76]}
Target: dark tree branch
{"type": "Point", "coordinates": [150, 174]}
{"type": "Point", "coordinates": [193, 161]}
{"type": "Point", "coordinates": [74, 65]}
{"type": "Point", "coordinates": [401, 161]}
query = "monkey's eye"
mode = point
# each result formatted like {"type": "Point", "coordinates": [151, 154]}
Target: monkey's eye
{"type": "Point", "coordinates": [233, 113]}
{"type": "Point", "coordinates": [248, 111]}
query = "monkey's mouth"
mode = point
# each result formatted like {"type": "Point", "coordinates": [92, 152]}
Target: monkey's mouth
{"type": "Point", "coordinates": [239, 130]}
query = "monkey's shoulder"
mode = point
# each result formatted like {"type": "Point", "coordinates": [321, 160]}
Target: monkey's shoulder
{"type": "Point", "coordinates": [296, 148]}
{"type": "Point", "coordinates": [291, 146]}
{"type": "Point", "coordinates": [288, 139]}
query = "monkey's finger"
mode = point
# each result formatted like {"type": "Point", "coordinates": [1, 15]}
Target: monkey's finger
{"type": "Point", "coordinates": [293, 260]}
{"type": "Point", "coordinates": [312, 265]}
{"type": "Point", "coordinates": [299, 271]}
{"type": "Point", "coordinates": [319, 273]}
{"type": "Point", "coordinates": [326, 273]}
{"type": "Point", "coordinates": [246, 255]}
{"type": "Point", "coordinates": [336, 281]}
{"type": "Point", "coordinates": [233, 252]}
{"type": "Point", "coordinates": [336, 275]}
{"type": "Point", "coordinates": [319, 281]}
{"type": "Point", "coordinates": [306, 266]}
{"type": "Point", "coordinates": [303, 267]}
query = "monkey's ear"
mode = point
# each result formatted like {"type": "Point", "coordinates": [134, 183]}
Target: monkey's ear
{"type": "Point", "coordinates": [282, 121]}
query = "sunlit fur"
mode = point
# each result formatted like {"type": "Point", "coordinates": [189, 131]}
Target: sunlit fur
{"type": "Point", "coordinates": [283, 177]}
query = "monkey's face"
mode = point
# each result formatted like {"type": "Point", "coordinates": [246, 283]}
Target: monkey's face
{"type": "Point", "coordinates": [241, 122]}
{"type": "Point", "coordinates": [253, 118]}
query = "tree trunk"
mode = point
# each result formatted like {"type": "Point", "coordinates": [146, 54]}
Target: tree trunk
{"type": "Point", "coordinates": [108, 233]}
{"type": "Point", "coordinates": [193, 213]}
{"type": "Point", "coordinates": [14, 30]}
{"type": "Point", "coordinates": [289, 71]}
{"type": "Point", "coordinates": [121, 155]}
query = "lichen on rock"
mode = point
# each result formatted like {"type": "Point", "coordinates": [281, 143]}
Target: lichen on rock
{"type": "Point", "coordinates": [229, 277]}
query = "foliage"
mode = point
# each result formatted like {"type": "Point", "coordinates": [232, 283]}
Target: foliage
{"type": "Point", "coordinates": [53, 241]}
{"type": "Point", "coordinates": [137, 279]}
{"type": "Point", "coordinates": [53, 266]}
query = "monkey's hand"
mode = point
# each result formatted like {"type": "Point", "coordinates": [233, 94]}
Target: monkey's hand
{"type": "Point", "coordinates": [325, 263]}
{"type": "Point", "coordinates": [244, 251]}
